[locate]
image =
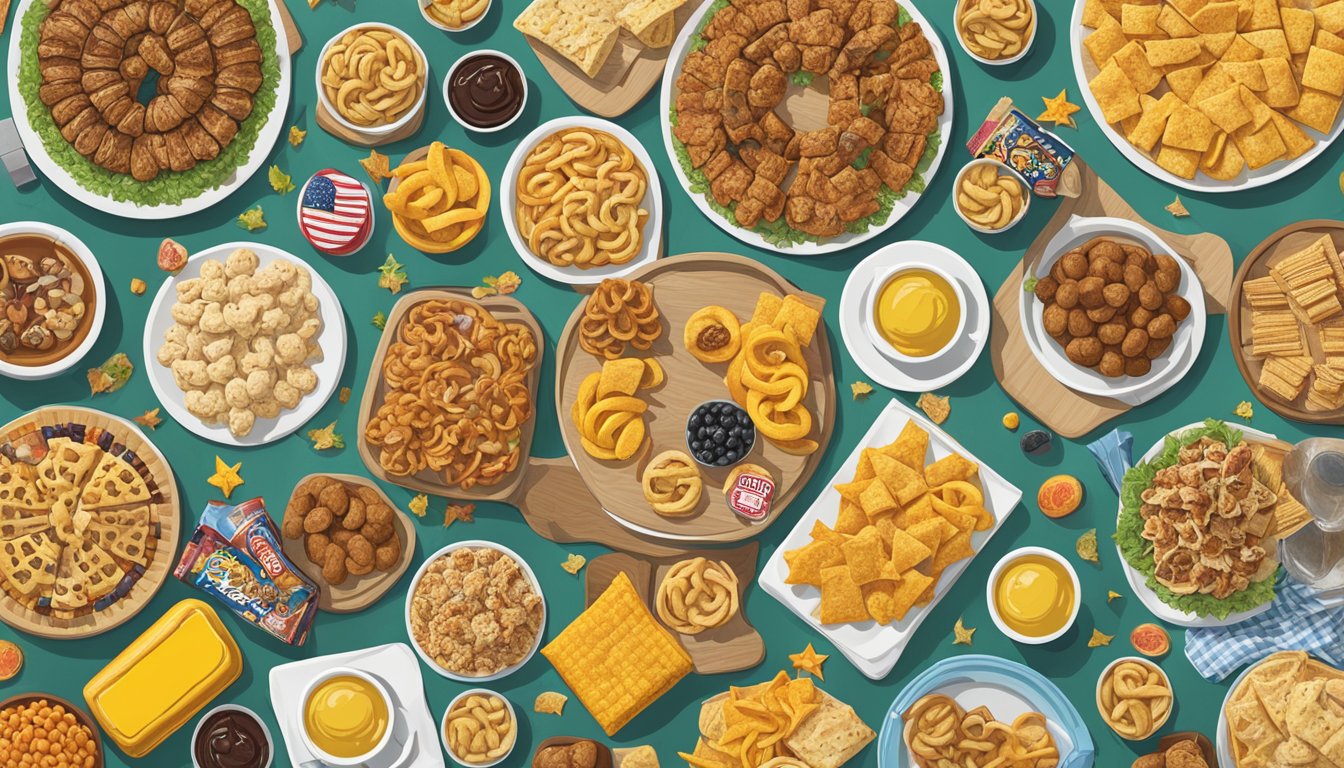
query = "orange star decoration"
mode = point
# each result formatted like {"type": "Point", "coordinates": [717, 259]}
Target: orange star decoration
{"type": "Point", "coordinates": [1058, 110]}
{"type": "Point", "coordinates": [497, 286]}
{"type": "Point", "coordinates": [1177, 208]}
{"type": "Point", "coordinates": [419, 505]}
{"type": "Point", "coordinates": [809, 661]}
{"type": "Point", "coordinates": [149, 419]}
{"type": "Point", "coordinates": [455, 512]}
{"type": "Point", "coordinates": [861, 389]}
{"type": "Point", "coordinates": [226, 477]}
{"type": "Point", "coordinates": [377, 165]}
{"type": "Point", "coordinates": [962, 635]}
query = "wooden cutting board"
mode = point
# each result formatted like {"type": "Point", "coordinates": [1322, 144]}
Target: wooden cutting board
{"type": "Point", "coordinates": [733, 647]}
{"type": "Point", "coordinates": [333, 126]}
{"type": "Point", "coordinates": [629, 74]}
{"type": "Point", "coordinates": [1274, 248]}
{"type": "Point", "coordinates": [1069, 413]}
{"type": "Point", "coordinates": [293, 38]}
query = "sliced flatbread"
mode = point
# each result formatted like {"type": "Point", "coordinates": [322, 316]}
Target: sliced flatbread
{"type": "Point", "coordinates": [124, 533]}
{"type": "Point", "coordinates": [66, 466]}
{"type": "Point", "coordinates": [16, 522]}
{"type": "Point", "coordinates": [85, 574]}
{"type": "Point", "coordinates": [114, 484]}
{"type": "Point", "coordinates": [18, 486]}
{"type": "Point", "coordinates": [29, 562]}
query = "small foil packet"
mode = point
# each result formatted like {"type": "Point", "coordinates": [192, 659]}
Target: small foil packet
{"type": "Point", "coordinates": [1114, 452]}
{"type": "Point", "coordinates": [235, 556]}
{"type": "Point", "coordinates": [1040, 157]}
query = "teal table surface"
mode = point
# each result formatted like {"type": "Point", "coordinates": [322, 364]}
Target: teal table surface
{"type": "Point", "coordinates": [126, 249]}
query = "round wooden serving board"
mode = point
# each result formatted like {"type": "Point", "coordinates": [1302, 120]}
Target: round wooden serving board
{"type": "Point", "coordinates": [165, 513]}
{"type": "Point", "coordinates": [681, 285]}
{"type": "Point", "coordinates": [504, 309]}
{"type": "Point", "coordinates": [357, 592]}
{"type": "Point", "coordinates": [80, 715]}
{"type": "Point", "coordinates": [1269, 252]}
{"type": "Point", "coordinates": [331, 125]}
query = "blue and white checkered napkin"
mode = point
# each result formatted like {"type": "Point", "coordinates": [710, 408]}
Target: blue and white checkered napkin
{"type": "Point", "coordinates": [1297, 621]}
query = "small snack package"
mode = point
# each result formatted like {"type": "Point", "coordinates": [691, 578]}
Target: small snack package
{"type": "Point", "coordinates": [1040, 157]}
{"type": "Point", "coordinates": [235, 556]}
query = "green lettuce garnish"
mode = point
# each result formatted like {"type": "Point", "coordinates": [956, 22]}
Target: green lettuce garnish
{"type": "Point", "coordinates": [1138, 551]}
{"type": "Point", "coordinates": [169, 187]}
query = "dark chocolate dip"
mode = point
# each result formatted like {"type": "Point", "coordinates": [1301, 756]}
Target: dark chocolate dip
{"type": "Point", "coordinates": [485, 90]}
{"type": "Point", "coordinates": [231, 739]}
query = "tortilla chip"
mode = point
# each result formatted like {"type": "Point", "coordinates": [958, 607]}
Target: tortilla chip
{"type": "Point", "coordinates": [1241, 49]}
{"type": "Point", "coordinates": [798, 319]}
{"type": "Point", "coordinates": [1316, 109]}
{"type": "Point", "coordinates": [820, 532]}
{"type": "Point", "coordinates": [951, 467]}
{"type": "Point", "coordinates": [907, 551]}
{"type": "Point", "coordinates": [841, 599]}
{"type": "Point", "coordinates": [1153, 122]}
{"type": "Point", "coordinates": [1128, 125]}
{"type": "Point", "coordinates": [1330, 17]}
{"type": "Point", "coordinates": [1264, 15]}
{"type": "Point", "coordinates": [1247, 73]}
{"type": "Point", "coordinates": [1324, 71]}
{"type": "Point", "coordinates": [1216, 80]}
{"type": "Point", "coordinates": [1209, 160]}
{"type": "Point", "coordinates": [1271, 42]}
{"type": "Point", "coordinates": [1139, 20]}
{"type": "Point", "coordinates": [1189, 8]}
{"type": "Point", "coordinates": [929, 533]}
{"type": "Point", "coordinates": [1106, 40]}
{"type": "Point", "coordinates": [954, 549]}
{"type": "Point", "coordinates": [864, 471]}
{"type": "Point", "coordinates": [1225, 110]}
{"type": "Point", "coordinates": [1188, 128]}
{"type": "Point", "coordinates": [1259, 148]}
{"type": "Point", "coordinates": [767, 306]}
{"type": "Point", "coordinates": [904, 482]}
{"type": "Point", "coordinates": [1181, 162]}
{"type": "Point", "coordinates": [620, 377]}
{"type": "Point", "coordinates": [880, 599]}
{"type": "Point", "coordinates": [864, 556]}
{"type": "Point", "coordinates": [1093, 13]}
{"type": "Point", "coordinates": [550, 703]}
{"type": "Point", "coordinates": [1299, 26]}
{"type": "Point", "coordinates": [912, 585]}
{"type": "Point", "coordinates": [1216, 43]}
{"type": "Point", "coordinates": [1171, 21]}
{"type": "Point", "coordinates": [851, 519]}
{"type": "Point", "coordinates": [911, 446]}
{"type": "Point", "coordinates": [1134, 63]}
{"type": "Point", "coordinates": [1261, 114]}
{"type": "Point", "coordinates": [1328, 41]}
{"type": "Point", "coordinates": [1295, 139]}
{"type": "Point", "coordinates": [1185, 81]}
{"type": "Point", "coordinates": [1165, 53]}
{"type": "Point", "coordinates": [1216, 17]}
{"type": "Point", "coordinates": [853, 491]}
{"type": "Point", "coordinates": [916, 512]}
{"type": "Point", "coordinates": [807, 563]}
{"type": "Point", "coordinates": [877, 500]}
{"type": "Point", "coordinates": [963, 518]}
{"type": "Point", "coordinates": [1228, 165]}
{"type": "Point", "coordinates": [1281, 90]}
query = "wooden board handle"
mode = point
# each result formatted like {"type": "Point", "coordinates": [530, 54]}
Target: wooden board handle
{"type": "Point", "coordinates": [293, 38]}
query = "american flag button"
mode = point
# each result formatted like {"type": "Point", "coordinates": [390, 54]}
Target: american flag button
{"type": "Point", "coordinates": [335, 213]}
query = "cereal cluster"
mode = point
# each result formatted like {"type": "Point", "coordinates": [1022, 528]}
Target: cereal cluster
{"type": "Point", "coordinates": [44, 734]}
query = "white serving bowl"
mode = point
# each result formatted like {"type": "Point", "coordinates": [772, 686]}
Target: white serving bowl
{"type": "Point", "coordinates": [870, 305]}
{"type": "Point", "coordinates": [423, 5]}
{"type": "Point", "coordinates": [372, 130]}
{"type": "Point", "coordinates": [1157, 726]}
{"type": "Point", "coordinates": [447, 81]}
{"type": "Point", "coordinates": [100, 297]}
{"type": "Point", "coordinates": [443, 727]}
{"type": "Point", "coordinates": [266, 732]}
{"type": "Point", "coordinates": [385, 747]}
{"type": "Point", "coordinates": [1003, 170]}
{"type": "Point", "coordinates": [993, 582]}
{"type": "Point", "coordinates": [415, 581]}
{"type": "Point", "coordinates": [1031, 39]}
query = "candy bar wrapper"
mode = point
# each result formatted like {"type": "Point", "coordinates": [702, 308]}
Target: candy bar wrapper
{"type": "Point", "coordinates": [1114, 452]}
{"type": "Point", "coordinates": [235, 556]}
{"type": "Point", "coordinates": [1040, 157]}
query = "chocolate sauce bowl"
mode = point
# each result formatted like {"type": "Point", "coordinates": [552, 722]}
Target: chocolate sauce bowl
{"type": "Point", "coordinates": [485, 90]}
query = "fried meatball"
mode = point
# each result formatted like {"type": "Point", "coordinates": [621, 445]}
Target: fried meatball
{"type": "Point", "coordinates": [318, 520]}
{"type": "Point", "coordinates": [340, 537]}
{"type": "Point", "coordinates": [1116, 295]}
{"type": "Point", "coordinates": [1045, 289]}
{"type": "Point", "coordinates": [1102, 314]}
{"type": "Point", "coordinates": [292, 528]}
{"type": "Point", "coordinates": [1112, 333]}
{"type": "Point", "coordinates": [1156, 347]}
{"type": "Point", "coordinates": [1089, 292]}
{"type": "Point", "coordinates": [1106, 249]}
{"type": "Point", "coordinates": [1055, 319]}
{"type": "Point", "coordinates": [1139, 317]}
{"type": "Point", "coordinates": [1137, 366]}
{"type": "Point", "coordinates": [335, 498]}
{"type": "Point", "coordinates": [377, 532]}
{"type": "Point", "coordinates": [1138, 256]}
{"type": "Point", "coordinates": [316, 547]}
{"type": "Point", "coordinates": [300, 504]}
{"type": "Point", "coordinates": [1167, 281]}
{"type": "Point", "coordinates": [1150, 296]}
{"type": "Point", "coordinates": [1112, 364]}
{"type": "Point", "coordinates": [1136, 341]}
{"type": "Point", "coordinates": [1105, 269]}
{"type": "Point", "coordinates": [1079, 325]}
{"type": "Point", "coordinates": [1134, 277]}
{"type": "Point", "coordinates": [358, 569]}
{"type": "Point", "coordinates": [360, 550]}
{"type": "Point", "coordinates": [334, 570]}
{"type": "Point", "coordinates": [378, 513]}
{"type": "Point", "coordinates": [355, 516]}
{"type": "Point", "coordinates": [1161, 327]}
{"type": "Point", "coordinates": [385, 556]}
{"type": "Point", "coordinates": [1075, 265]}
{"type": "Point", "coordinates": [1057, 272]}
{"type": "Point", "coordinates": [1085, 351]}
{"type": "Point", "coordinates": [1067, 295]}
{"type": "Point", "coordinates": [1178, 308]}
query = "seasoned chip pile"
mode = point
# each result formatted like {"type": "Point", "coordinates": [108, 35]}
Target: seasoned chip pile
{"type": "Point", "coordinates": [616, 657]}
{"type": "Point", "coordinates": [586, 31]}
{"type": "Point", "coordinates": [93, 57]}
{"type": "Point", "coordinates": [1288, 711]}
{"type": "Point", "coordinates": [1210, 521]}
{"type": "Point", "coordinates": [882, 108]}
{"type": "Point", "coordinates": [1296, 316]}
{"type": "Point", "coordinates": [901, 523]}
{"type": "Point", "coordinates": [1217, 87]}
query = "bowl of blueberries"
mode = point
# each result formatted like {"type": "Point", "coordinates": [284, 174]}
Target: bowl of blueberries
{"type": "Point", "coordinates": [719, 433]}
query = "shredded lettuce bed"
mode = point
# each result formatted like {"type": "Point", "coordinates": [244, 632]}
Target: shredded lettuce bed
{"type": "Point", "coordinates": [1138, 551]}
{"type": "Point", "coordinates": [169, 187]}
{"type": "Point", "coordinates": [779, 233]}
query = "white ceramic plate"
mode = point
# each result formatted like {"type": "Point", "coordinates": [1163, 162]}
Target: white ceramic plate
{"type": "Point", "coordinates": [82, 252]}
{"type": "Point", "coordinates": [874, 648]}
{"type": "Point", "coordinates": [1201, 183]}
{"type": "Point", "coordinates": [527, 569]}
{"type": "Point", "coordinates": [653, 202]}
{"type": "Point", "coordinates": [1168, 369]}
{"type": "Point", "coordinates": [1139, 583]}
{"type": "Point", "coordinates": [681, 49]}
{"type": "Point", "coordinates": [266, 137]}
{"type": "Point", "coordinates": [331, 339]}
{"type": "Point", "coordinates": [913, 377]}
{"type": "Point", "coordinates": [372, 130]}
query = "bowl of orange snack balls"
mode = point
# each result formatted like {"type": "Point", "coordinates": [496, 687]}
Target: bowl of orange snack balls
{"type": "Point", "coordinates": [45, 731]}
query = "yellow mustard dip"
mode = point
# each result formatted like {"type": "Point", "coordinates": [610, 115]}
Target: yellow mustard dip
{"type": "Point", "coordinates": [917, 312]}
{"type": "Point", "coordinates": [1034, 596]}
{"type": "Point", "coordinates": [345, 716]}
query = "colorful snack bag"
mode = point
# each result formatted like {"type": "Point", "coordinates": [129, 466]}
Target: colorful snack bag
{"type": "Point", "coordinates": [1040, 157]}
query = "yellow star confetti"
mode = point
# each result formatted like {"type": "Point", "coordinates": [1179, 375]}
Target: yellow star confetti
{"type": "Point", "coordinates": [149, 419]}
{"type": "Point", "coordinates": [1244, 410]}
{"type": "Point", "coordinates": [344, 395]}
{"type": "Point", "coordinates": [860, 389]}
{"type": "Point", "coordinates": [961, 634]}
{"type": "Point", "coordinates": [379, 320]}
{"type": "Point", "coordinates": [252, 219]}
{"type": "Point", "coordinates": [455, 512]}
{"type": "Point", "coordinates": [1058, 110]}
{"type": "Point", "coordinates": [392, 275]}
{"type": "Point", "coordinates": [1177, 208]}
{"type": "Point", "coordinates": [419, 505]}
{"type": "Point", "coordinates": [809, 661]}
{"type": "Point", "coordinates": [1087, 546]}
{"type": "Point", "coordinates": [296, 136]}
{"type": "Point", "coordinates": [1099, 639]}
{"type": "Point", "coordinates": [280, 181]}
{"type": "Point", "coordinates": [497, 286]}
{"type": "Point", "coordinates": [377, 165]}
{"type": "Point", "coordinates": [138, 286]}
{"type": "Point", "coordinates": [935, 407]}
{"type": "Point", "coordinates": [326, 438]}
{"type": "Point", "coordinates": [1111, 594]}
{"type": "Point", "coordinates": [111, 375]}
{"type": "Point", "coordinates": [226, 477]}
{"type": "Point", "coordinates": [574, 563]}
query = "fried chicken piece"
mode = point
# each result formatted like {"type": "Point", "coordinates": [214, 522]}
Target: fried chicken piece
{"type": "Point", "coordinates": [732, 183]}
{"type": "Point", "coordinates": [913, 46]}
{"type": "Point", "coordinates": [770, 196]}
{"type": "Point", "coordinates": [54, 93]}
{"type": "Point", "coordinates": [862, 45]}
{"type": "Point", "coordinates": [766, 87]}
{"type": "Point", "coordinates": [241, 52]}
{"type": "Point", "coordinates": [700, 103]}
{"type": "Point", "coordinates": [843, 112]}
{"type": "Point", "coordinates": [767, 13]}
{"type": "Point", "coordinates": [894, 174]}
{"type": "Point", "coordinates": [726, 48]}
{"type": "Point", "coordinates": [850, 146]}
{"type": "Point", "coordinates": [919, 69]}
{"type": "Point", "coordinates": [202, 145]}
{"type": "Point", "coordinates": [143, 165]}
{"type": "Point", "coordinates": [871, 132]}
{"type": "Point", "coordinates": [705, 68]}
{"type": "Point", "coordinates": [161, 16]}
{"type": "Point", "coordinates": [874, 89]}
{"type": "Point", "coordinates": [179, 154]}
{"type": "Point", "coordinates": [818, 143]}
{"type": "Point", "coordinates": [842, 9]}
{"type": "Point", "coordinates": [798, 8]}
{"type": "Point", "coordinates": [904, 147]}
{"type": "Point", "coordinates": [88, 141]}
{"type": "Point", "coordinates": [219, 125]}
{"type": "Point", "coordinates": [776, 134]}
{"type": "Point", "coordinates": [233, 102]}
{"type": "Point", "coordinates": [688, 83]}
{"type": "Point", "coordinates": [789, 57]}
{"type": "Point", "coordinates": [770, 166]}
{"type": "Point", "coordinates": [819, 187]}
{"type": "Point", "coordinates": [844, 85]}
{"type": "Point", "coordinates": [748, 213]}
{"type": "Point", "coordinates": [762, 49]}
{"type": "Point", "coordinates": [233, 25]}
{"type": "Point", "coordinates": [196, 61]}
{"type": "Point", "coordinates": [114, 152]}
{"type": "Point", "coordinates": [718, 164]}
{"type": "Point", "coordinates": [696, 128]}
{"type": "Point", "coordinates": [818, 28]}
{"type": "Point", "coordinates": [818, 59]}
{"type": "Point", "coordinates": [729, 20]}
{"type": "Point", "coordinates": [701, 153]}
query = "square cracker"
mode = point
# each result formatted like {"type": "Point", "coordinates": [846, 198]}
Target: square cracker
{"type": "Point", "coordinates": [1114, 93]}
{"type": "Point", "coordinates": [1181, 162]}
{"type": "Point", "coordinates": [1281, 87]}
{"type": "Point", "coordinates": [1259, 147]}
{"type": "Point", "coordinates": [1216, 80]}
{"type": "Point", "coordinates": [841, 599]}
{"type": "Point", "coordinates": [1166, 53]}
{"type": "Point", "coordinates": [830, 736]}
{"type": "Point", "coordinates": [1226, 110]}
{"type": "Point", "coordinates": [1294, 138]}
{"type": "Point", "coordinates": [1248, 73]}
{"type": "Point", "coordinates": [1299, 26]}
{"type": "Point", "coordinates": [1171, 21]}
{"type": "Point", "coordinates": [1264, 15]}
{"type": "Point", "coordinates": [1216, 17]}
{"type": "Point", "coordinates": [1330, 17]}
{"type": "Point", "coordinates": [1108, 38]}
{"type": "Point", "coordinates": [1227, 166]}
{"type": "Point", "coordinates": [1139, 20]}
{"type": "Point", "coordinates": [1134, 63]}
{"type": "Point", "coordinates": [1324, 71]}
{"type": "Point", "coordinates": [1189, 8]}
{"type": "Point", "coordinates": [1154, 121]}
{"type": "Point", "coordinates": [1094, 11]}
{"type": "Point", "coordinates": [1328, 41]}
{"type": "Point", "coordinates": [1260, 112]}
{"type": "Point", "coordinates": [1188, 128]}
{"type": "Point", "coordinates": [1184, 81]}
{"type": "Point", "coordinates": [1316, 109]}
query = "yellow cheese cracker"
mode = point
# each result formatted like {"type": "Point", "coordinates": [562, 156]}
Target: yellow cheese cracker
{"type": "Point", "coordinates": [1114, 93]}
{"type": "Point", "coordinates": [1324, 71]}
